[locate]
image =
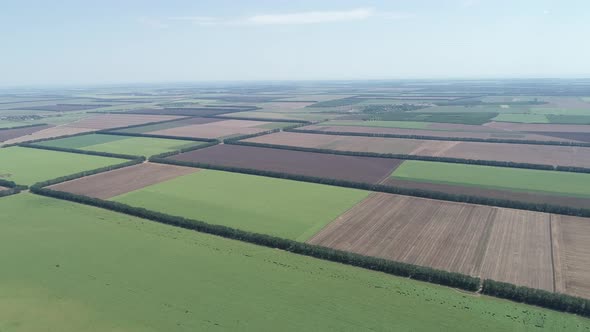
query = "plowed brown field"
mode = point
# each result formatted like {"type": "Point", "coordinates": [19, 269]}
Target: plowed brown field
{"type": "Point", "coordinates": [123, 180]}
{"type": "Point", "coordinates": [497, 243]}
{"type": "Point", "coordinates": [350, 168]}
{"type": "Point", "coordinates": [215, 129]}
{"type": "Point", "coordinates": [7, 134]}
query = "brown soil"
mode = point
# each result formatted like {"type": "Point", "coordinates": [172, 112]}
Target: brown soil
{"type": "Point", "coordinates": [533, 127]}
{"type": "Point", "coordinates": [194, 111]}
{"type": "Point", "coordinates": [503, 244]}
{"type": "Point", "coordinates": [49, 133]}
{"type": "Point", "coordinates": [65, 107]}
{"type": "Point", "coordinates": [216, 129]}
{"type": "Point", "coordinates": [7, 134]}
{"type": "Point", "coordinates": [350, 168]}
{"type": "Point", "coordinates": [580, 136]}
{"type": "Point", "coordinates": [108, 121]}
{"type": "Point", "coordinates": [123, 180]}
{"type": "Point", "coordinates": [575, 202]}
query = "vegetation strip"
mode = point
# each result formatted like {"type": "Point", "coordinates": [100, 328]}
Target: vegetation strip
{"type": "Point", "coordinates": [180, 138]}
{"type": "Point", "coordinates": [88, 152]}
{"type": "Point", "coordinates": [52, 138]}
{"type": "Point", "coordinates": [555, 301]}
{"type": "Point", "coordinates": [435, 138]}
{"type": "Point", "coordinates": [25, 126]}
{"type": "Point", "coordinates": [565, 210]}
{"type": "Point", "coordinates": [303, 122]}
{"type": "Point", "coordinates": [414, 157]}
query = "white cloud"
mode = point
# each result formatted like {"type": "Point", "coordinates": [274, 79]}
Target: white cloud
{"type": "Point", "coordinates": [311, 17]}
{"type": "Point", "coordinates": [152, 23]}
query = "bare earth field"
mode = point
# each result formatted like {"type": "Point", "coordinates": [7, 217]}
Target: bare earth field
{"type": "Point", "coordinates": [123, 180]}
{"type": "Point", "coordinates": [215, 129]}
{"type": "Point", "coordinates": [483, 134]}
{"type": "Point", "coordinates": [571, 250]}
{"type": "Point", "coordinates": [522, 153]}
{"type": "Point", "coordinates": [576, 202]}
{"type": "Point", "coordinates": [108, 121]}
{"type": "Point", "coordinates": [66, 107]}
{"type": "Point", "coordinates": [8, 134]}
{"type": "Point", "coordinates": [350, 168]}
{"type": "Point", "coordinates": [193, 111]}
{"type": "Point", "coordinates": [502, 244]}
{"type": "Point", "coordinates": [49, 133]}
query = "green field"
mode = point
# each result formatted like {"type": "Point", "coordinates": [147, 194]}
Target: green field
{"type": "Point", "coordinates": [142, 146]}
{"type": "Point", "coordinates": [27, 166]}
{"type": "Point", "coordinates": [284, 208]}
{"type": "Point", "coordinates": [385, 124]}
{"type": "Point", "coordinates": [517, 179]}
{"type": "Point", "coordinates": [522, 118]}
{"type": "Point", "coordinates": [68, 267]}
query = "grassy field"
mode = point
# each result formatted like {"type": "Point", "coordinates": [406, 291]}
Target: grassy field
{"type": "Point", "coordinates": [28, 166]}
{"type": "Point", "coordinates": [153, 277]}
{"type": "Point", "coordinates": [288, 209]}
{"type": "Point", "coordinates": [518, 179]}
{"type": "Point", "coordinates": [386, 124]}
{"type": "Point", "coordinates": [142, 146]}
{"type": "Point", "coordinates": [522, 118]}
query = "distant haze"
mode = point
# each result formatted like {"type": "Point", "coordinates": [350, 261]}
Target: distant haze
{"type": "Point", "coordinates": [88, 42]}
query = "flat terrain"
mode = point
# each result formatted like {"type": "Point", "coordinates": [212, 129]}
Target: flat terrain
{"type": "Point", "coordinates": [571, 238]}
{"type": "Point", "coordinates": [217, 129]}
{"type": "Point", "coordinates": [284, 208]}
{"type": "Point", "coordinates": [169, 125]}
{"type": "Point", "coordinates": [481, 132]}
{"type": "Point", "coordinates": [359, 169]}
{"type": "Point", "coordinates": [27, 166]}
{"type": "Point", "coordinates": [127, 285]}
{"type": "Point", "coordinates": [120, 181]}
{"type": "Point", "coordinates": [517, 179]}
{"type": "Point", "coordinates": [140, 146]}
{"type": "Point", "coordinates": [502, 244]}
{"type": "Point", "coordinates": [8, 134]}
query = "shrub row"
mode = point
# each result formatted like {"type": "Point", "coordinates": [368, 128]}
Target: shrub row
{"type": "Point", "coordinates": [92, 153]}
{"type": "Point", "coordinates": [141, 124]}
{"type": "Point", "coordinates": [435, 138]}
{"type": "Point", "coordinates": [9, 191]}
{"type": "Point", "coordinates": [255, 119]}
{"type": "Point", "coordinates": [397, 156]}
{"type": "Point", "coordinates": [539, 207]}
{"type": "Point", "coordinates": [181, 138]}
{"type": "Point", "coordinates": [395, 268]}
{"type": "Point", "coordinates": [51, 138]}
{"type": "Point", "coordinates": [24, 126]}
{"type": "Point", "coordinates": [234, 140]}
{"type": "Point", "coordinates": [538, 297]}
{"type": "Point", "coordinates": [7, 183]}
{"type": "Point", "coordinates": [85, 173]}
{"type": "Point", "coordinates": [187, 149]}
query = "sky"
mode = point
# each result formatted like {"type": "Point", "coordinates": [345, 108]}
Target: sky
{"type": "Point", "coordinates": [130, 41]}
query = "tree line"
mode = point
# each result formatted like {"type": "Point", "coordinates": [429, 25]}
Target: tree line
{"type": "Point", "coordinates": [183, 150]}
{"type": "Point", "coordinates": [555, 301]}
{"type": "Point", "coordinates": [24, 126]}
{"type": "Point", "coordinates": [435, 138]}
{"type": "Point", "coordinates": [87, 152]}
{"type": "Point", "coordinates": [182, 138]}
{"type": "Point", "coordinates": [439, 195]}
{"type": "Point", "coordinates": [401, 156]}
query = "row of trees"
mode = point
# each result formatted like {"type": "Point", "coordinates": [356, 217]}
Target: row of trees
{"type": "Point", "coordinates": [229, 117]}
{"type": "Point", "coordinates": [183, 138]}
{"type": "Point", "coordinates": [24, 126]}
{"type": "Point", "coordinates": [187, 149]}
{"type": "Point", "coordinates": [92, 153]}
{"type": "Point", "coordinates": [435, 138]}
{"type": "Point", "coordinates": [542, 298]}
{"type": "Point", "coordinates": [539, 207]}
{"type": "Point", "coordinates": [451, 279]}
{"type": "Point", "coordinates": [399, 156]}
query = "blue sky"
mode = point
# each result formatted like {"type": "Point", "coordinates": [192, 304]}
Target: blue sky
{"type": "Point", "coordinates": [79, 42]}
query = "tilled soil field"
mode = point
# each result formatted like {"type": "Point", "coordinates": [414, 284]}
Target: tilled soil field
{"type": "Point", "coordinates": [502, 244]}
{"type": "Point", "coordinates": [350, 168]}
{"type": "Point", "coordinates": [194, 111]}
{"type": "Point", "coordinates": [108, 121]}
{"type": "Point", "coordinates": [216, 129]}
{"type": "Point", "coordinates": [571, 250]}
{"type": "Point", "coordinates": [123, 180]}
{"type": "Point", "coordinates": [7, 134]}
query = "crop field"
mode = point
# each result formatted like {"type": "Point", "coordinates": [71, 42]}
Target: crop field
{"type": "Point", "coordinates": [482, 133]}
{"type": "Point", "coordinates": [518, 179]}
{"type": "Point", "coordinates": [502, 244]}
{"type": "Point", "coordinates": [192, 111]}
{"type": "Point", "coordinates": [224, 284]}
{"type": "Point", "coordinates": [27, 166]}
{"type": "Point", "coordinates": [571, 236]}
{"type": "Point", "coordinates": [67, 107]}
{"type": "Point", "coordinates": [522, 118]}
{"type": "Point", "coordinates": [121, 181]}
{"type": "Point", "coordinates": [303, 116]}
{"type": "Point", "coordinates": [298, 210]}
{"type": "Point", "coordinates": [8, 134]}
{"type": "Point", "coordinates": [141, 146]}
{"type": "Point", "coordinates": [351, 168]}
{"type": "Point", "coordinates": [376, 123]}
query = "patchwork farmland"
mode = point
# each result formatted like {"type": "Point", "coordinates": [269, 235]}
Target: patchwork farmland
{"type": "Point", "coordinates": [315, 206]}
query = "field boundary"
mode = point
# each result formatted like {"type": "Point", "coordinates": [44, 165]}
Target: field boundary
{"type": "Point", "coordinates": [435, 138]}
{"type": "Point", "coordinates": [416, 157]}
{"type": "Point", "coordinates": [256, 119]}
{"type": "Point", "coordinates": [25, 126]}
{"type": "Point", "coordinates": [444, 196]}
{"type": "Point", "coordinates": [79, 151]}
{"type": "Point", "coordinates": [179, 138]}
{"type": "Point", "coordinates": [554, 301]}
